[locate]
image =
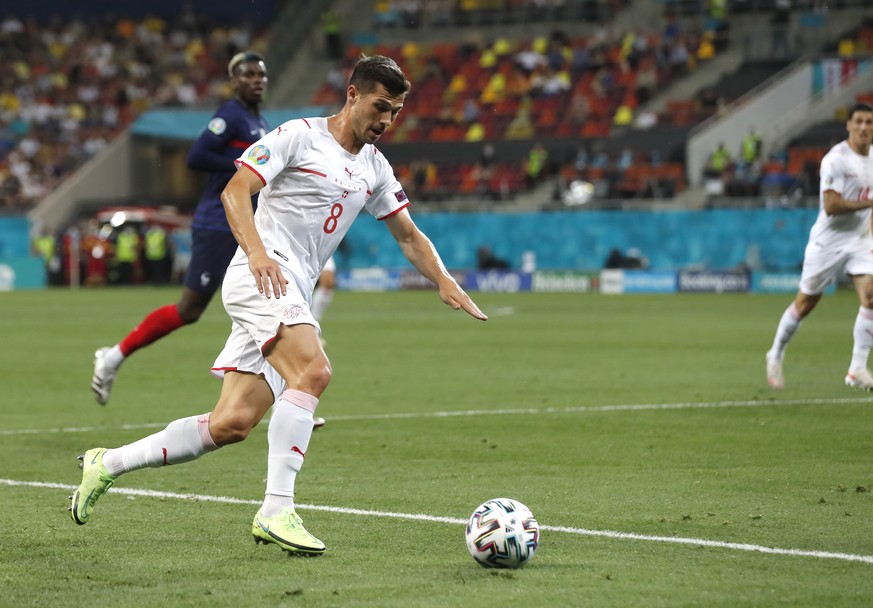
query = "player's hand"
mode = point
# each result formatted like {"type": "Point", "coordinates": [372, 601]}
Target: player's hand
{"type": "Point", "coordinates": [452, 294]}
{"type": "Point", "coordinates": [268, 275]}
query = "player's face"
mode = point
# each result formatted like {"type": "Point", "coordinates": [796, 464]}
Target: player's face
{"type": "Point", "coordinates": [860, 127]}
{"type": "Point", "coordinates": [250, 81]}
{"type": "Point", "coordinates": [373, 113]}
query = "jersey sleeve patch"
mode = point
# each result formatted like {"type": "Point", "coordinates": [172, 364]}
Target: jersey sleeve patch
{"type": "Point", "coordinates": [217, 125]}
{"type": "Point", "coordinates": [400, 195]}
{"type": "Point", "coordinates": [259, 155]}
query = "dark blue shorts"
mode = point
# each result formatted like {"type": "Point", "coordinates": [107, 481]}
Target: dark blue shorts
{"type": "Point", "coordinates": [211, 252]}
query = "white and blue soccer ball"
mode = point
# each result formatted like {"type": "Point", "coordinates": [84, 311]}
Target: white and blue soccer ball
{"type": "Point", "coordinates": [502, 533]}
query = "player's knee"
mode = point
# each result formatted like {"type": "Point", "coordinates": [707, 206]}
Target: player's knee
{"type": "Point", "coordinates": [190, 314]}
{"type": "Point", "coordinates": [317, 376]}
{"type": "Point", "coordinates": [230, 429]}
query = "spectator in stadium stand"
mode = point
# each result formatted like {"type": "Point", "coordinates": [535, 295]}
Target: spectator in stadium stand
{"type": "Point", "coordinates": [330, 26]}
{"type": "Point", "coordinates": [750, 148]}
{"type": "Point", "coordinates": [521, 125]}
{"type": "Point", "coordinates": [624, 115]}
{"type": "Point", "coordinates": [840, 239]}
{"type": "Point", "coordinates": [126, 254]}
{"type": "Point", "coordinates": [45, 244]}
{"type": "Point", "coordinates": [536, 164]}
{"type": "Point", "coordinates": [719, 161]}
{"type": "Point", "coordinates": [315, 176]}
{"type": "Point", "coordinates": [156, 255]}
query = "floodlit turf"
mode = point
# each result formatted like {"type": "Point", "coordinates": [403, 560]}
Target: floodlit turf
{"type": "Point", "coordinates": [638, 415]}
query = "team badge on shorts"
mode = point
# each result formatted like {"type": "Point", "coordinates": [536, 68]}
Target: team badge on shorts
{"type": "Point", "coordinates": [293, 312]}
{"type": "Point", "coordinates": [259, 155]}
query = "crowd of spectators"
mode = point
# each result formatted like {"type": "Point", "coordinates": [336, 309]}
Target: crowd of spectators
{"type": "Point", "coordinates": [557, 86]}
{"type": "Point", "coordinates": [69, 86]}
{"type": "Point", "coordinates": [551, 86]}
{"type": "Point", "coordinates": [460, 13]}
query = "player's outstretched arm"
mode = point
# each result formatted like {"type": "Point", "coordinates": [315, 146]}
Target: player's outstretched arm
{"type": "Point", "coordinates": [423, 255]}
{"type": "Point", "coordinates": [237, 200]}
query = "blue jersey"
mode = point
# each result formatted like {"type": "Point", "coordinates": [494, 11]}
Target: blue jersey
{"type": "Point", "coordinates": [232, 129]}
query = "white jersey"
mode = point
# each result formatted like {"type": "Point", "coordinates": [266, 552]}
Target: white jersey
{"type": "Point", "coordinates": [851, 175]}
{"type": "Point", "coordinates": [314, 190]}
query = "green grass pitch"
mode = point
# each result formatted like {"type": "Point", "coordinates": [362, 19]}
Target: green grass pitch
{"type": "Point", "coordinates": [644, 416]}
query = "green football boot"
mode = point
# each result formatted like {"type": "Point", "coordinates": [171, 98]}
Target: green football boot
{"type": "Point", "coordinates": [286, 530]}
{"type": "Point", "coordinates": [95, 481]}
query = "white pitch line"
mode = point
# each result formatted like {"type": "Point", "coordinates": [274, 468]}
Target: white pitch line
{"type": "Point", "coordinates": [505, 411]}
{"type": "Point", "coordinates": [697, 542]}
{"type": "Point", "coordinates": [502, 311]}
{"type": "Point", "coordinates": [82, 429]}
{"type": "Point", "coordinates": [605, 408]}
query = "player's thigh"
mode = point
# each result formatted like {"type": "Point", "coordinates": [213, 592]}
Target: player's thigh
{"type": "Point", "coordinates": [298, 357]}
{"type": "Point", "coordinates": [820, 267]}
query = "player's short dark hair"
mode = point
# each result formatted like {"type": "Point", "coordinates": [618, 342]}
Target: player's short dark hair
{"type": "Point", "coordinates": [241, 58]}
{"type": "Point", "coordinates": [859, 107]}
{"type": "Point", "coordinates": [372, 71]}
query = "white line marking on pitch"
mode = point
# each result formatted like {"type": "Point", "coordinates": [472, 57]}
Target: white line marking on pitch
{"type": "Point", "coordinates": [604, 408]}
{"type": "Point", "coordinates": [520, 411]}
{"type": "Point", "coordinates": [83, 429]}
{"type": "Point", "coordinates": [502, 311]}
{"type": "Point", "coordinates": [699, 542]}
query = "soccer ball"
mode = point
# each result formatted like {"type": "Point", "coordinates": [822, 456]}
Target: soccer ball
{"type": "Point", "coordinates": [502, 533]}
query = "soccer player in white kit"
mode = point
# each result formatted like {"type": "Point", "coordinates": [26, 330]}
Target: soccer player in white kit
{"type": "Point", "coordinates": [314, 176]}
{"type": "Point", "coordinates": [839, 239]}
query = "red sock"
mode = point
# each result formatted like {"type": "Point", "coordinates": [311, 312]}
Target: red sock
{"type": "Point", "coordinates": [157, 324]}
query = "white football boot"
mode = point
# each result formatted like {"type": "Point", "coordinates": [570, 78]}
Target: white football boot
{"type": "Point", "coordinates": [859, 378]}
{"type": "Point", "coordinates": [104, 376]}
{"type": "Point", "coordinates": [774, 372]}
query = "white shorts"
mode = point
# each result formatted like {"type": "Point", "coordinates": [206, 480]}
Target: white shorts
{"type": "Point", "coordinates": [256, 322]}
{"type": "Point", "coordinates": [821, 265]}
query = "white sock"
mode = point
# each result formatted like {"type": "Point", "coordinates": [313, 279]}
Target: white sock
{"type": "Point", "coordinates": [288, 441]}
{"type": "Point", "coordinates": [321, 299]}
{"type": "Point", "coordinates": [114, 357]}
{"type": "Point", "coordinates": [863, 334]}
{"type": "Point", "coordinates": [183, 440]}
{"type": "Point", "coordinates": [788, 324]}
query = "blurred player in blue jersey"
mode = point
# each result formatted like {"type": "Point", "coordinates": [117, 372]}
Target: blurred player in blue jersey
{"type": "Point", "coordinates": [234, 127]}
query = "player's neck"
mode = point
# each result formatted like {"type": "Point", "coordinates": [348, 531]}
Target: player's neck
{"type": "Point", "coordinates": [254, 108]}
{"type": "Point", "coordinates": [859, 148]}
{"type": "Point", "coordinates": [338, 125]}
